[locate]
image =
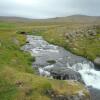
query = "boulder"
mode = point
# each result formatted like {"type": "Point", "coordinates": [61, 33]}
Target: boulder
{"type": "Point", "coordinates": [63, 73]}
{"type": "Point", "coordinates": [91, 32]}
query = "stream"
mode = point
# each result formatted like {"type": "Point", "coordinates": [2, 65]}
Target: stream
{"type": "Point", "coordinates": [50, 57]}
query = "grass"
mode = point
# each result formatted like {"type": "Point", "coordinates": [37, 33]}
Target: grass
{"type": "Point", "coordinates": [89, 47]}
{"type": "Point", "coordinates": [17, 78]}
{"type": "Point", "coordinates": [25, 86]}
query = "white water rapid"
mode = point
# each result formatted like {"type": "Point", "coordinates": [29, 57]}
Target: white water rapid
{"type": "Point", "coordinates": [90, 76]}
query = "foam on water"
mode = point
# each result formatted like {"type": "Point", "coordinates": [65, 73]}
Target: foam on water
{"type": "Point", "coordinates": [49, 66]}
{"type": "Point", "coordinates": [90, 76]}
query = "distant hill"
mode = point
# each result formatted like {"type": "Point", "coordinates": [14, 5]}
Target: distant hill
{"type": "Point", "coordinates": [73, 18]}
{"type": "Point", "coordinates": [14, 19]}
{"type": "Point", "coordinates": [76, 18]}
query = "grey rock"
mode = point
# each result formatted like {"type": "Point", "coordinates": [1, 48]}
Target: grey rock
{"type": "Point", "coordinates": [63, 73]}
{"type": "Point", "coordinates": [97, 61]}
{"type": "Point", "coordinates": [94, 93]}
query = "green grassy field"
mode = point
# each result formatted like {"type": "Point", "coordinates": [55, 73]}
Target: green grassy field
{"type": "Point", "coordinates": [17, 78]}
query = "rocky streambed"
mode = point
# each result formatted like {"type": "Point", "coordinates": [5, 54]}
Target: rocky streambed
{"type": "Point", "coordinates": [55, 62]}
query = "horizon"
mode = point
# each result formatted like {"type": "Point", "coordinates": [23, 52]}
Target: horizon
{"type": "Point", "coordinates": [47, 18]}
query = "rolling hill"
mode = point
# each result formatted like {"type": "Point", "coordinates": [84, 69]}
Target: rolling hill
{"type": "Point", "coordinates": [73, 18]}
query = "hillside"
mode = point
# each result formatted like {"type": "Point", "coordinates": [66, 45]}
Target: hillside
{"type": "Point", "coordinates": [75, 19]}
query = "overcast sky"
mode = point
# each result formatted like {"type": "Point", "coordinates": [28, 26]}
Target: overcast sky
{"type": "Point", "coordinates": [49, 8]}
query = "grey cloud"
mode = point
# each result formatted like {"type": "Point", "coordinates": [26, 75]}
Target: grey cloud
{"type": "Point", "coordinates": [48, 8]}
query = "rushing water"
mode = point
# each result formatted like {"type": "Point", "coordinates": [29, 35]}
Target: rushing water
{"type": "Point", "coordinates": [45, 52]}
{"type": "Point", "coordinates": [90, 76]}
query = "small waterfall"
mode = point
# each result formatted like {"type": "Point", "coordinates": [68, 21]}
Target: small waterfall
{"type": "Point", "coordinates": [90, 76]}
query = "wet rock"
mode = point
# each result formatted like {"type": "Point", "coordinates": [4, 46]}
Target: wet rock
{"type": "Point", "coordinates": [97, 61]}
{"type": "Point", "coordinates": [94, 93]}
{"type": "Point", "coordinates": [51, 61]}
{"type": "Point", "coordinates": [63, 73]}
{"type": "Point", "coordinates": [24, 33]}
